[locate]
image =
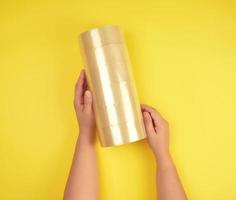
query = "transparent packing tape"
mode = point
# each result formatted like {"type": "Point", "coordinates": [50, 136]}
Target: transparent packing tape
{"type": "Point", "coordinates": [108, 69]}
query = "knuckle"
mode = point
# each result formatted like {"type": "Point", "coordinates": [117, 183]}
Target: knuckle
{"type": "Point", "coordinates": [76, 104]}
{"type": "Point", "coordinates": [87, 111]}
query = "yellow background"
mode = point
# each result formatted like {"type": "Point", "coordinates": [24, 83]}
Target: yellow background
{"type": "Point", "coordinates": [184, 64]}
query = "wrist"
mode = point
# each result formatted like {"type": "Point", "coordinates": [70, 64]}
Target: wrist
{"type": "Point", "coordinates": [86, 130]}
{"type": "Point", "coordinates": [163, 158]}
{"type": "Point", "coordinates": [86, 138]}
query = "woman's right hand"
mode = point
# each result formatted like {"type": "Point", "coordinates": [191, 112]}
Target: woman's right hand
{"type": "Point", "coordinates": [157, 131]}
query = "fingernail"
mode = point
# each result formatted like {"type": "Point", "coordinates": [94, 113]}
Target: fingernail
{"type": "Point", "coordinates": [87, 93]}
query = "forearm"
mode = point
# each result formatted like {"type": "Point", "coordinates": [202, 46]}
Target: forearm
{"type": "Point", "coordinates": [83, 176]}
{"type": "Point", "coordinates": [169, 185]}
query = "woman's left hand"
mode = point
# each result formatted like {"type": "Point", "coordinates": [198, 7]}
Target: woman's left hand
{"type": "Point", "coordinates": [83, 103]}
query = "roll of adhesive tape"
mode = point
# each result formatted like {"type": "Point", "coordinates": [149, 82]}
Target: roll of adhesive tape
{"type": "Point", "coordinates": [109, 75]}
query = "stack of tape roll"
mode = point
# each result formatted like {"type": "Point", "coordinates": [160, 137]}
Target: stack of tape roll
{"type": "Point", "coordinates": [109, 74]}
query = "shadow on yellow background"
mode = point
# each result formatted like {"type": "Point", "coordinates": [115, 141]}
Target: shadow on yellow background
{"type": "Point", "coordinates": [184, 63]}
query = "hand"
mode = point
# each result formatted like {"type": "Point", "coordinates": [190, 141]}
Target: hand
{"type": "Point", "coordinates": [83, 103]}
{"type": "Point", "coordinates": [157, 131]}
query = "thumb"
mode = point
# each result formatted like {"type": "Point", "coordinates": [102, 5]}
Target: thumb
{"type": "Point", "coordinates": [148, 123]}
{"type": "Point", "coordinates": [88, 100]}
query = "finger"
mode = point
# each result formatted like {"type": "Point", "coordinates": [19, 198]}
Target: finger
{"type": "Point", "coordinates": [79, 89]}
{"type": "Point", "coordinates": [148, 123]}
{"type": "Point", "coordinates": [88, 101]}
{"type": "Point", "coordinates": [156, 116]}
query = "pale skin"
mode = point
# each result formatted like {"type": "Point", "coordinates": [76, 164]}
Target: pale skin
{"type": "Point", "coordinates": [82, 183]}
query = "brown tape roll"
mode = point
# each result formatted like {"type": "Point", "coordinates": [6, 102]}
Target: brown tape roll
{"type": "Point", "coordinates": [108, 70]}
